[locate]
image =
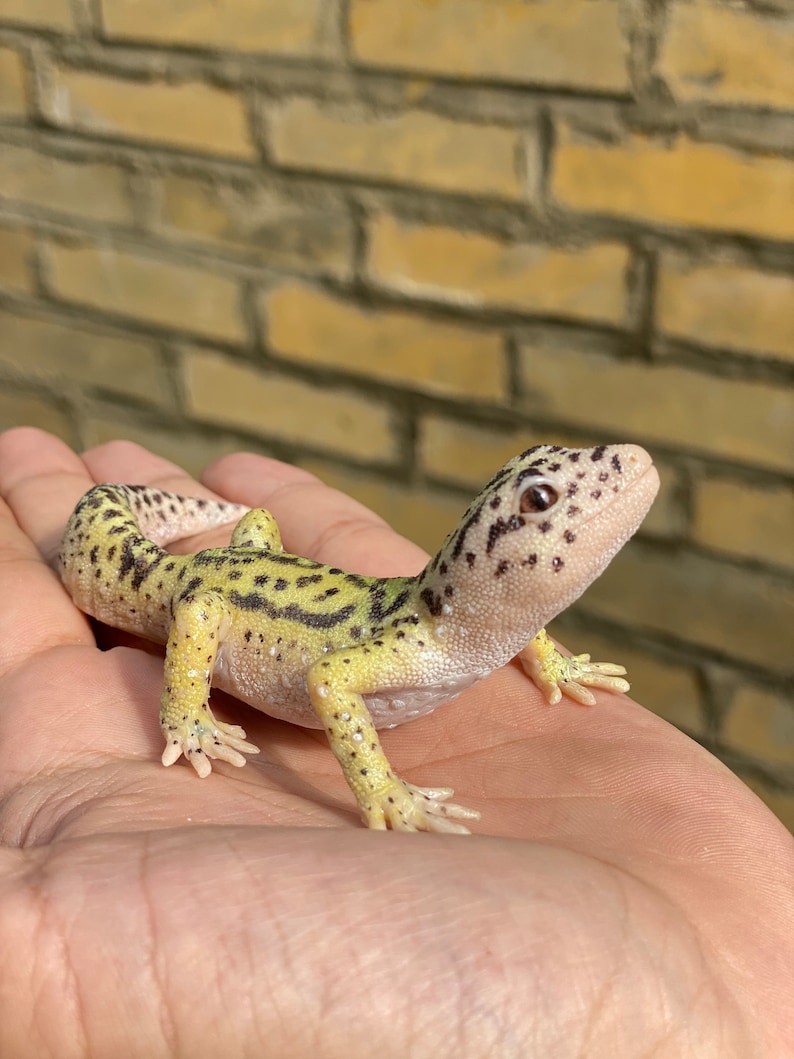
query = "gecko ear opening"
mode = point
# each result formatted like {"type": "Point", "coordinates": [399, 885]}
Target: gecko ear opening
{"type": "Point", "coordinates": [537, 497]}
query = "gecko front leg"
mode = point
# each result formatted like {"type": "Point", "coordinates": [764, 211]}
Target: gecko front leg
{"type": "Point", "coordinates": [557, 675]}
{"type": "Point", "coordinates": [336, 685]}
{"type": "Point", "coordinates": [186, 719]}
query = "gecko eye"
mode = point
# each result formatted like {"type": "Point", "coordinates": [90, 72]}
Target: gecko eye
{"type": "Point", "coordinates": [538, 496]}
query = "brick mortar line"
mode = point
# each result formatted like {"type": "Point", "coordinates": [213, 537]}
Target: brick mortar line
{"type": "Point", "coordinates": [235, 70]}
{"type": "Point", "coordinates": [565, 224]}
{"type": "Point", "coordinates": [450, 406]}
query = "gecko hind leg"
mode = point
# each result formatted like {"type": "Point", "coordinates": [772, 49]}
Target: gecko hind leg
{"type": "Point", "coordinates": [257, 529]}
{"type": "Point", "coordinates": [557, 675]}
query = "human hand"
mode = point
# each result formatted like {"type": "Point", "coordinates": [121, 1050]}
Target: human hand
{"type": "Point", "coordinates": [624, 893]}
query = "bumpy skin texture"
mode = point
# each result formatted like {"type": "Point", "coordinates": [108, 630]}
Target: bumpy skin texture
{"type": "Point", "coordinates": [323, 648]}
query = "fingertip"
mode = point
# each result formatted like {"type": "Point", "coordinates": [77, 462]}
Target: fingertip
{"type": "Point", "coordinates": [237, 474]}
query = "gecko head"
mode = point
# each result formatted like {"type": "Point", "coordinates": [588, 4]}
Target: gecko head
{"type": "Point", "coordinates": [545, 526]}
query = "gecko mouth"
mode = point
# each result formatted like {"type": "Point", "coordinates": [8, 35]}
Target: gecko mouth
{"type": "Point", "coordinates": [635, 499]}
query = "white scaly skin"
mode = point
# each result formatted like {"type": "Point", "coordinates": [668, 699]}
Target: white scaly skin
{"type": "Point", "coordinates": [324, 648]}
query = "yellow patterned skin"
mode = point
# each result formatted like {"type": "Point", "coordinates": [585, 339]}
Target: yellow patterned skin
{"type": "Point", "coordinates": [324, 648]}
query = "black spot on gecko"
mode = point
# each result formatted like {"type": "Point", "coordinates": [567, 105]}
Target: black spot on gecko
{"type": "Point", "coordinates": [604, 476]}
{"type": "Point", "coordinates": [467, 524]}
{"type": "Point", "coordinates": [377, 612]}
{"type": "Point", "coordinates": [570, 536]}
{"type": "Point", "coordinates": [557, 564]}
{"type": "Point", "coordinates": [431, 600]}
{"type": "Point", "coordinates": [529, 452]}
{"type": "Point", "coordinates": [280, 584]}
{"type": "Point", "coordinates": [470, 557]}
{"type": "Point", "coordinates": [308, 579]}
{"type": "Point", "coordinates": [326, 595]}
{"type": "Point", "coordinates": [358, 580]}
{"type": "Point", "coordinates": [598, 453]}
{"type": "Point", "coordinates": [500, 527]}
{"type": "Point", "coordinates": [292, 612]}
{"type": "Point", "coordinates": [596, 494]}
{"type": "Point", "coordinates": [285, 559]}
{"type": "Point", "coordinates": [616, 463]}
{"type": "Point", "coordinates": [502, 567]}
{"type": "Point", "coordinates": [190, 587]}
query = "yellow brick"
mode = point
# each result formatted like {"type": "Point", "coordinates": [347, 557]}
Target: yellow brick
{"type": "Point", "coordinates": [738, 419]}
{"type": "Point", "coordinates": [726, 306]}
{"type": "Point", "coordinates": [309, 326]}
{"type": "Point", "coordinates": [701, 601]}
{"type": "Point", "coordinates": [670, 690]}
{"type": "Point", "coordinates": [667, 517]}
{"type": "Point", "coordinates": [412, 148]}
{"type": "Point", "coordinates": [49, 14]}
{"type": "Point", "coordinates": [25, 410]}
{"type": "Point", "coordinates": [761, 723]}
{"type": "Point", "coordinates": [684, 183]}
{"type": "Point", "coordinates": [479, 270]}
{"type": "Point", "coordinates": [469, 454]}
{"type": "Point", "coordinates": [155, 291]}
{"type": "Point", "coordinates": [314, 235]}
{"type": "Point", "coordinates": [189, 116]}
{"type": "Point", "coordinates": [16, 260]}
{"type": "Point", "coordinates": [720, 55]}
{"type": "Point", "coordinates": [424, 516]}
{"type": "Point", "coordinates": [280, 27]}
{"type": "Point", "coordinates": [13, 90]}
{"type": "Point", "coordinates": [238, 395]}
{"type": "Point", "coordinates": [64, 351]}
{"type": "Point", "coordinates": [573, 43]}
{"type": "Point", "coordinates": [87, 189]}
{"type": "Point", "coordinates": [741, 519]}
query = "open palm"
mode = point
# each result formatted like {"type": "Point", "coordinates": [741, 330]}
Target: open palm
{"type": "Point", "coordinates": [624, 895]}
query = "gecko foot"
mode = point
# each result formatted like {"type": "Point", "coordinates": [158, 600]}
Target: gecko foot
{"type": "Point", "coordinates": [403, 807]}
{"type": "Point", "coordinates": [557, 675]}
{"type": "Point", "coordinates": [202, 738]}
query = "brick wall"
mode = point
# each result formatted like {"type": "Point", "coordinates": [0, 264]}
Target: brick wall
{"type": "Point", "coordinates": [397, 241]}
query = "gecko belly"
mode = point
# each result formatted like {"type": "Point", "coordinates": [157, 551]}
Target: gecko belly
{"type": "Point", "coordinates": [280, 691]}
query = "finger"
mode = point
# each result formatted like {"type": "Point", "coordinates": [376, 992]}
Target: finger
{"type": "Point", "coordinates": [41, 479]}
{"type": "Point", "coordinates": [314, 519]}
{"type": "Point", "coordinates": [125, 461]}
{"type": "Point", "coordinates": [36, 613]}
